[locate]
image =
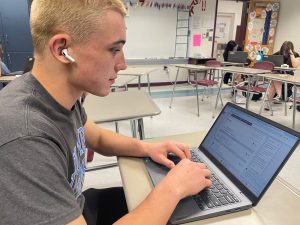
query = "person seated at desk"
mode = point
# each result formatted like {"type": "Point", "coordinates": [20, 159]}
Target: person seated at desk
{"type": "Point", "coordinates": [276, 90]}
{"type": "Point", "coordinates": [3, 68]}
{"type": "Point", "coordinates": [45, 131]}
{"type": "Point", "coordinates": [231, 46]}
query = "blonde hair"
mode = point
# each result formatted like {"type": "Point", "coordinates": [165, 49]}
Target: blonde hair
{"type": "Point", "coordinates": [78, 18]}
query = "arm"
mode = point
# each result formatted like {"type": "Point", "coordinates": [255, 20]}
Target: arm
{"type": "Point", "coordinates": [185, 179]}
{"type": "Point", "coordinates": [294, 60]}
{"type": "Point", "coordinates": [110, 143]}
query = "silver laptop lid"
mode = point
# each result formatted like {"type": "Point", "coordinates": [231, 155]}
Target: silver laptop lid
{"type": "Point", "coordinates": [249, 148]}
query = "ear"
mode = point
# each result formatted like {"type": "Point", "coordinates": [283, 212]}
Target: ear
{"type": "Point", "coordinates": [57, 43]}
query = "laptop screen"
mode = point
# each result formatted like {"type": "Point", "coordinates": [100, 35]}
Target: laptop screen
{"type": "Point", "coordinates": [237, 56]}
{"type": "Point", "coordinates": [278, 60]}
{"type": "Point", "coordinates": [249, 147]}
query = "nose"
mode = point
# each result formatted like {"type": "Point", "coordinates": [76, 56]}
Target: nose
{"type": "Point", "coordinates": [121, 64]}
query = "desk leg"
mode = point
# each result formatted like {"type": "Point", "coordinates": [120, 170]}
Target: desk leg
{"type": "Point", "coordinates": [117, 127]}
{"type": "Point", "coordinates": [133, 128]}
{"type": "Point", "coordinates": [294, 105]}
{"type": "Point", "coordinates": [148, 80]}
{"type": "Point", "coordinates": [248, 92]}
{"type": "Point", "coordinates": [139, 85]}
{"type": "Point", "coordinates": [174, 85]}
{"type": "Point", "coordinates": [141, 128]}
{"type": "Point", "coordinates": [285, 98]}
{"type": "Point", "coordinates": [218, 95]}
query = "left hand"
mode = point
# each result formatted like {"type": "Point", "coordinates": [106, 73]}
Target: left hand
{"type": "Point", "coordinates": [158, 152]}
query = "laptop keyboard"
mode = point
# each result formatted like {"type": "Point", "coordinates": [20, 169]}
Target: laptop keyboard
{"type": "Point", "coordinates": [216, 195]}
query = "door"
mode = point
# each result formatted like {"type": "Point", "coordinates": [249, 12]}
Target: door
{"type": "Point", "coordinates": [224, 33]}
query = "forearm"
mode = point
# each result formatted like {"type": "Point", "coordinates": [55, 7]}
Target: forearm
{"type": "Point", "coordinates": [295, 61]}
{"type": "Point", "coordinates": [156, 209]}
{"type": "Point", "coordinates": [113, 144]}
{"type": "Point", "coordinates": [110, 143]}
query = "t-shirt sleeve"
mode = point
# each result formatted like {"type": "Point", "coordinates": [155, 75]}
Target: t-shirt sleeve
{"type": "Point", "coordinates": [34, 185]}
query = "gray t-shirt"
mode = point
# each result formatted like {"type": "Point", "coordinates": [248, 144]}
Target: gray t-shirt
{"type": "Point", "coordinates": [42, 156]}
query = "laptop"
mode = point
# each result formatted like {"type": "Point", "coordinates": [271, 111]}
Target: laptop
{"type": "Point", "coordinates": [276, 59]}
{"type": "Point", "coordinates": [237, 56]}
{"type": "Point", "coordinates": [245, 152]}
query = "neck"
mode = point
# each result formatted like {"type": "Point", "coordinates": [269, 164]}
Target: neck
{"type": "Point", "coordinates": [54, 78]}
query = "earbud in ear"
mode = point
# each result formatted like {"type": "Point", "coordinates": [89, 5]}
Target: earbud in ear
{"type": "Point", "coordinates": [65, 53]}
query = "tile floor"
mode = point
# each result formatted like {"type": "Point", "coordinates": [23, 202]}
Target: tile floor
{"type": "Point", "coordinates": [182, 118]}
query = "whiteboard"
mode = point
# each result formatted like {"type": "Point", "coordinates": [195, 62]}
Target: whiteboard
{"type": "Point", "coordinates": [151, 33]}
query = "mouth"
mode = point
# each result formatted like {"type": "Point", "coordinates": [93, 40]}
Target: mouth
{"type": "Point", "coordinates": [113, 80]}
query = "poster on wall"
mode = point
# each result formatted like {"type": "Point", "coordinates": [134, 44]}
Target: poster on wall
{"type": "Point", "coordinates": [261, 28]}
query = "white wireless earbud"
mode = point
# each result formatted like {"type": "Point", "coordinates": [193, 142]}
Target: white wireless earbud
{"type": "Point", "coordinates": [65, 53]}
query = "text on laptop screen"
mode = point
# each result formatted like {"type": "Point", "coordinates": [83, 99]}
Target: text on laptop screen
{"type": "Point", "coordinates": [248, 147]}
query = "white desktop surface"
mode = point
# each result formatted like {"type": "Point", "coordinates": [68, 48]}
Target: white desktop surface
{"type": "Point", "coordinates": [123, 105]}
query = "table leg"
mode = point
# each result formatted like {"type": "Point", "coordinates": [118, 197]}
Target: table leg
{"type": "Point", "coordinates": [139, 85]}
{"type": "Point", "coordinates": [174, 85]}
{"type": "Point", "coordinates": [218, 95]}
{"type": "Point", "coordinates": [148, 80]}
{"type": "Point", "coordinates": [141, 129]}
{"type": "Point", "coordinates": [285, 98]}
{"type": "Point", "coordinates": [294, 106]}
{"type": "Point", "coordinates": [133, 128]}
{"type": "Point", "coordinates": [117, 127]}
{"type": "Point", "coordinates": [248, 92]}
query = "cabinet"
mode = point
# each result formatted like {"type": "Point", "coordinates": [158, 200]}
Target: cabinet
{"type": "Point", "coordinates": [15, 33]}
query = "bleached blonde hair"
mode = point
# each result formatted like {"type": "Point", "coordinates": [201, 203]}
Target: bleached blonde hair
{"type": "Point", "coordinates": [78, 18]}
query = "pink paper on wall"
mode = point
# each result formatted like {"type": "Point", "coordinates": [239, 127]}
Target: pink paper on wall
{"type": "Point", "coordinates": [197, 40]}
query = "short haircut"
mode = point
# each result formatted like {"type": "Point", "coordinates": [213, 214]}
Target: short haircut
{"type": "Point", "coordinates": [77, 18]}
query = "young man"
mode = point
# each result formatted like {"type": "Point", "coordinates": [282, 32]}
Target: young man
{"type": "Point", "coordinates": [44, 131]}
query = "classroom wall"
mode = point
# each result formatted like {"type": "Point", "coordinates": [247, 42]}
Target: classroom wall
{"type": "Point", "coordinates": [232, 7]}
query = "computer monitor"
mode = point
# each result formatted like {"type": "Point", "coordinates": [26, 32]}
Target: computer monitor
{"type": "Point", "coordinates": [278, 60]}
{"type": "Point", "coordinates": [237, 56]}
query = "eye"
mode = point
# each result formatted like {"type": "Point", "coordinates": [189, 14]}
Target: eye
{"type": "Point", "coordinates": [115, 50]}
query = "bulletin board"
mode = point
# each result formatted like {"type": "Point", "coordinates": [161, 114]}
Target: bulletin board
{"type": "Point", "coordinates": [261, 28]}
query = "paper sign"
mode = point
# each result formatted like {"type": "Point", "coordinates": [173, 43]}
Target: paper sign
{"type": "Point", "coordinates": [197, 40]}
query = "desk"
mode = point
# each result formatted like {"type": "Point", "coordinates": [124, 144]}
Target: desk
{"type": "Point", "coordinates": [7, 79]}
{"type": "Point", "coordinates": [243, 70]}
{"type": "Point", "coordinates": [118, 106]}
{"type": "Point", "coordinates": [189, 67]}
{"type": "Point", "coordinates": [122, 81]}
{"type": "Point", "coordinates": [197, 61]}
{"type": "Point", "coordinates": [233, 64]}
{"type": "Point", "coordinates": [295, 80]}
{"type": "Point", "coordinates": [278, 206]}
{"type": "Point", "coordinates": [138, 72]}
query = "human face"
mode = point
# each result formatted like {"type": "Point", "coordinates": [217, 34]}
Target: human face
{"type": "Point", "coordinates": [100, 59]}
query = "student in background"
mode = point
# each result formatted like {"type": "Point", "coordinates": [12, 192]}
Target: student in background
{"type": "Point", "coordinates": [291, 58]}
{"type": "Point", "coordinates": [231, 46]}
{"type": "Point", "coordinates": [45, 131]}
{"type": "Point", "coordinates": [3, 68]}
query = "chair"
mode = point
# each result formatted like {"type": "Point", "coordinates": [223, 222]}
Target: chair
{"type": "Point", "coordinates": [255, 87]}
{"type": "Point", "coordinates": [208, 80]}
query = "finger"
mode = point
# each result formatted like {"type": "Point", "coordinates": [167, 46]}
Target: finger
{"type": "Point", "coordinates": [181, 150]}
{"type": "Point", "coordinates": [208, 183]}
{"type": "Point", "coordinates": [201, 165]}
{"type": "Point", "coordinates": [206, 172]}
{"type": "Point", "coordinates": [166, 162]}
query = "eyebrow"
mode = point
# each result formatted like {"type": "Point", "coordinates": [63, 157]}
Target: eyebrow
{"type": "Point", "coordinates": [119, 42]}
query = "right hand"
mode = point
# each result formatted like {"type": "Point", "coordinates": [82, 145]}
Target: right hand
{"type": "Point", "coordinates": [188, 178]}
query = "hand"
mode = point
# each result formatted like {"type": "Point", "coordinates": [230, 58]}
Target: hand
{"type": "Point", "coordinates": [188, 178]}
{"type": "Point", "coordinates": [158, 152]}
